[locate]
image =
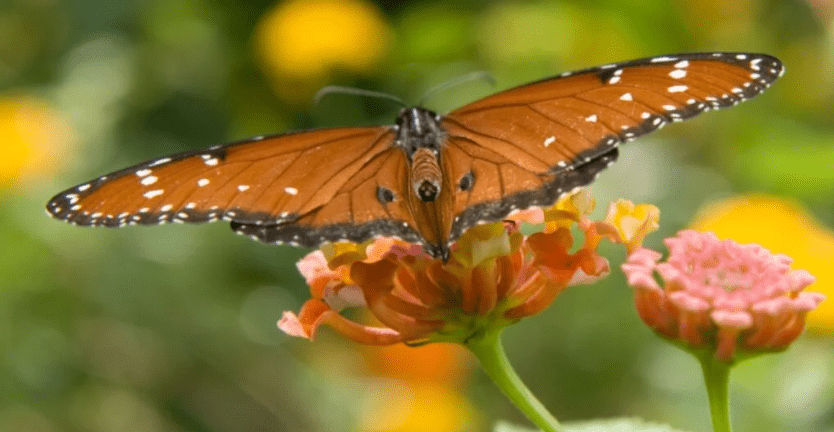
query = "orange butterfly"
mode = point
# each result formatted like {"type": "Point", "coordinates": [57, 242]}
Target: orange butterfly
{"type": "Point", "coordinates": [429, 177]}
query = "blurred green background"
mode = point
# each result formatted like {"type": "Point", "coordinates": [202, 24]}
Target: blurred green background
{"type": "Point", "coordinates": [172, 328]}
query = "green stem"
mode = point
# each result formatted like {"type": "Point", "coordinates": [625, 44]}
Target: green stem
{"type": "Point", "coordinates": [717, 379]}
{"type": "Point", "coordinates": [490, 353]}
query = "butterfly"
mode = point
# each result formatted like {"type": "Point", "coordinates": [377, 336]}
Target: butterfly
{"type": "Point", "coordinates": [429, 177]}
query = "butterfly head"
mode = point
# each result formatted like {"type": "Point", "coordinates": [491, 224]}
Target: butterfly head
{"type": "Point", "coordinates": [418, 128]}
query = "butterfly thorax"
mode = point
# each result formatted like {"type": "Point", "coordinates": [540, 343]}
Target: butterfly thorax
{"type": "Point", "coordinates": [420, 135]}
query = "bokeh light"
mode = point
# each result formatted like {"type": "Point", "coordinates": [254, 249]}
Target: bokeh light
{"type": "Point", "coordinates": [35, 137]}
{"type": "Point", "coordinates": [306, 41]}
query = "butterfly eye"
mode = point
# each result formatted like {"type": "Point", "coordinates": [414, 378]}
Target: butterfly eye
{"type": "Point", "coordinates": [466, 182]}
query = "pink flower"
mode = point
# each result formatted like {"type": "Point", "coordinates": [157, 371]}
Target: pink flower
{"type": "Point", "coordinates": [721, 295]}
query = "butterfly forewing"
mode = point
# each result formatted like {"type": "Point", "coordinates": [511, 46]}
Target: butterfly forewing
{"type": "Point", "coordinates": [548, 130]}
{"type": "Point", "coordinates": [264, 181]}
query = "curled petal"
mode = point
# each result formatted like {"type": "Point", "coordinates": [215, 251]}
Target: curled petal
{"type": "Point", "coordinates": [315, 314]}
{"type": "Point", "coordinates": [591, 267]}
{"type": "Point", "coordinates": [633, 222]}
{"type": "Point", "coordinates": [376, 279]}
{"type": "Point", "coordinates": [484, 242]}
{"type": "Point", "coordinates": [735, 319]}
{"type": "Point", "coordinates": [291, 325]}
{"type": "Point", "coordinates": [319, 276]}
{"type": "Point", "coordinates": [799, 279]}
{"type": "Point", "coordinates": [344, 253]}
{"type": "Point", "coordinates": [338, 298]}
{"type": "Point", "coordinates": [533, 216]}
{"type": "Point", "coordinates": [538, 293]}
{"type": "Point", "coordinates": [808, 301]}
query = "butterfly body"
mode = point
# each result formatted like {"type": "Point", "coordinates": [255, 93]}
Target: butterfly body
{"type": "Point", "coordinates": [429, 177]}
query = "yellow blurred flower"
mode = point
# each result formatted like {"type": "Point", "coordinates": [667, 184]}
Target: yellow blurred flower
{"type": "Point", "coordinates": [300, 42]}
{"type": "Point", "coordinates": [782, 227]}
{"type": "Point", "coordinates": [419, 408]}
{"type": "Point", "coordinates": [447, 364]}
{"type": "Point", "coordinates": [430, 380]}
{"type": "Point", "coordinates": [33, 136]}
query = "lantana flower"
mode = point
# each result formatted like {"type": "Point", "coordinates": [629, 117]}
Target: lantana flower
{"type": "Point", "coordinates": [729, 298]}
{"type": "Point", "coordinates": [495, 276]}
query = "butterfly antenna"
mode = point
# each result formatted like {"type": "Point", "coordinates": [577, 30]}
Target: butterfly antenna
{"type": "Point", "coordinates": [327, 90]}
{"type": "Point", "coordinates": [463, 79]}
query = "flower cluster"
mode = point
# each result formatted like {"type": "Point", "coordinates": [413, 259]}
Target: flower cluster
{"type": "Point", "coordinates": [495, 275]}
{"type": "Point", "coordinates": [721, 295]}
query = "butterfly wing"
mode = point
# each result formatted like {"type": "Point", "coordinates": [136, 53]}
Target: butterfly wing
{"type": "Point", "coordinates": [302, 188]}
{"type": "Point", "coordinates": [529, 145]}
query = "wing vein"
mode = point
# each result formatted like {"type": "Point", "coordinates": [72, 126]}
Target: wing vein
{"type": "Point", "coordinates": [522, 149]}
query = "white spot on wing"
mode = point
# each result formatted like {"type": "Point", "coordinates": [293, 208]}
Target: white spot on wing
{"type": "Point", "coordinates": [682, 64]}
{"type": "Point", "coordinates": [149, 180]}
{"type": "Point", "coordinates": [669, 107]}
{"type": "Point", "coordinates": [677, 89]}
{"type": "Point", "coordinates": [210, 161]}
{"type": "Point", "coordinates": [291, 190]}
{"type": "Point", "coordinates": [160, 161]}
{"type": "Point", "coordinates": [143, 172]}
{"type": "Point", "coordinates": [614, 80]}
{"type": "Point", "coordinates": [549, 140]}
{"type": "Point", "coordinates": [591, 118]}
{"type": "Point", "coordinates": [242, 187]}
{"type": "Point", "coordinates": [202, 182]}
{"type": "Point", "coordinates": [153, 193]}
{"type": "Point", "coordinates": [677, 73]}
{"type": "Point", "coordinates": [663, 59]}
{"type": "Point", "coordinates": [626, 97]}
{"type": "Point", "coordinates": [83, 187]}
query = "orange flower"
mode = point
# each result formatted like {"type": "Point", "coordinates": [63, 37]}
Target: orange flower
{"type": "Point", "coordinates": [494, 277]}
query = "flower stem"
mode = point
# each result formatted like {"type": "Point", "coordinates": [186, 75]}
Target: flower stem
{"type": "Point", "coordinates": [490, 353]}
{"type": "Point", "coordinates": [717, 378]}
